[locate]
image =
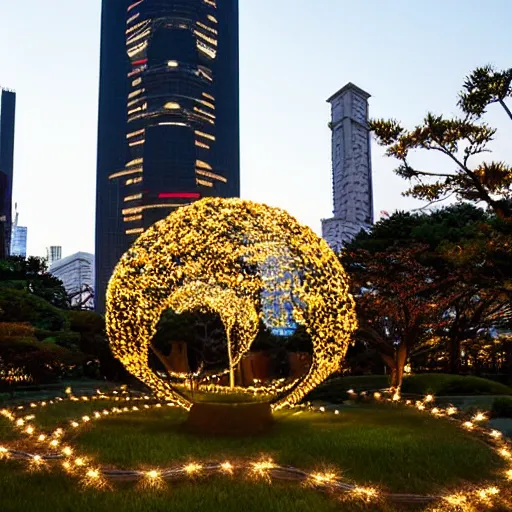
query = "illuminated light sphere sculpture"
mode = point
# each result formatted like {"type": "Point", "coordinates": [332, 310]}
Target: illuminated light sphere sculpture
{"type": "Point", "coordinates": [213, 255]}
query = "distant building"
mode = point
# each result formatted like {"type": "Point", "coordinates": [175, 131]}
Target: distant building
{"type": "Point", "coordinates": [18, 238]}
{"type": "Point", "coordinates": [77, 274]}
{"type": "Point", "coordinates": [7, 121]}
{"type": "Point", "coordinates": [53, 254]}
{"type": "Point", "coordinates": [168, 125]}
{"type": "Point", "coordinates": [351, 167]}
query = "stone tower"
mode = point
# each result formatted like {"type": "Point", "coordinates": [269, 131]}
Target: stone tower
{"type": "Point", "coordinates": [351, 167]}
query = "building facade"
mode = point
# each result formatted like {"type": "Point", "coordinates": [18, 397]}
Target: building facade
{"type": "Point", "coordinates": [77, 274]}
{"type": "Point", "coordinates": [18, 237]}
{"type": "Point", "coordinates": [53, 254]}
{"type": "Point", "coordinates": [7, 122]}
{"type": "Point", "coordinates": [168, 116]}
{"type": "Point", "coordinates": [351, 167]}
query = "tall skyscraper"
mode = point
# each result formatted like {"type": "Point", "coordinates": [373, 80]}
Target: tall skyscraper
{"type": "Point", "coordinates": [7, 120]}
{"type": "Point", "coordinates": [19, 237]}
{"type": "Point", "coordinates": [351, 167]}
{"type": "Point", "coordinates": [53, 254]}
{"type": "Point", "coordinates": [168, 116]}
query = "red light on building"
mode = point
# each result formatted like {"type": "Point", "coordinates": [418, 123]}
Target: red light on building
{"type": "Point", "coordinates": [139, 62]}
{"type": "Point", "coordinates": [179, 195]}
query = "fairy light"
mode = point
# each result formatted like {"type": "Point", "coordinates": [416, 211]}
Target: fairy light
{"type": "Point", "coordinates": [261, 468]}
{"type": "Point", "coordinates": [429, 398]}
{"type": "Point", "coordinates": [505, 453]}
{"type": "Point", "coordinates": [54, 443]}
{"type": "Point", "coordinates": [220, 234]}
{"type": "Point", "coordinates": [451, 411]}
{"type": "Point", "coordinates": [227, 467]}
{"type": "Point", "coordinates": [377, 395]}
{"type": "Point", "coordinates": [366, 493]}
{"type": "Point", "coordinates": [479, 417]}
{"type": "Point", "coordinates": [192, 468]}
{"type": "Point", "coordinates": [323, 478]}
{"type": "Point", "coordinates": [463, 499]}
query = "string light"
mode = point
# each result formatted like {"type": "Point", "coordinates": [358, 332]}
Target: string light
{"type": "Point", "coordinates": [198, 257]}
{"type": "Point", "coordinates": [264, 468]}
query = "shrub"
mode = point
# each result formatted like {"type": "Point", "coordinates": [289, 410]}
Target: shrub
{"type": "Point", "coordinates": [444, 384]}
{"type": "Point", "coordinates": [86, 321]}
{"type": "Point", "coordinates": [502, 408]}
{"type": "Point", "coordinates": [21, 306]}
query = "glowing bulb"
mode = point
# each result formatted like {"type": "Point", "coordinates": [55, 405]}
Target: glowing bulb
{"type": "Point", "coordinates": [479, 417]}
{"type": "Point", "coordinates": [228, 467]}
{"type": "Point", "coordinates": [451, 411]}
{"type": "Point", "coordinates": [79, 461]}
{"type": "Point", "coordinates": [67, 451]}
{"type": "Point", "coordinates": [429, 398]}
{"type": "Point", "coordinates": [153, 474]}
{"type": "Point", "coordinates": [192, 468]}
{"type": "Point", "coordinates": [93, 473]}
{"type": "Point", "coordinates": [54, 443]}
{"type": "Point", "coordinates": [468, 425]}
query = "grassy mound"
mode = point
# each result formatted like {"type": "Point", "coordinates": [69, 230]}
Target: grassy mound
{"type": "Point", "coordinates": [335, 390]}
{"type": "Point", "coordinates": [446, 385]}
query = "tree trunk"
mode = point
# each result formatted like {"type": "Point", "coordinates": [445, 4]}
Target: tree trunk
{"type": "Point", "coordinates": [455, 361]}
{"type": "Point", "coordinates": [401, 359]}
{"type": "Point", "coordinates": [396, 364]}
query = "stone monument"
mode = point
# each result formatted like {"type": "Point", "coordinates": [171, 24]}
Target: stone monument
{"type": "Point", "coordinates": [351, 167]}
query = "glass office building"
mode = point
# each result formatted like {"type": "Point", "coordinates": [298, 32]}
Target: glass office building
{"type": "Point", "coordinates": [7, 119]}
{"type": "Point", "coordinates": [168, 119]}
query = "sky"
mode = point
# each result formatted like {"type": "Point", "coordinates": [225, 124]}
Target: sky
{"type": "Point", "coordinates": [411, 56]}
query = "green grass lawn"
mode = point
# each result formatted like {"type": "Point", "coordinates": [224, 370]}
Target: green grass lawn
{"type": "Point", "coordinates": [396, 449]}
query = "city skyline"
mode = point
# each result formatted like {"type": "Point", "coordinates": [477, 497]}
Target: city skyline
{"type": "Point", "coordinates": [286, 76]}
{"type": "Point", "coordinates": [168, 117]}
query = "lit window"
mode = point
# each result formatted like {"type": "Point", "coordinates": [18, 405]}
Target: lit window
{"type": "Point", "coordinates": [203, 165]}
{"type": "Point", "coordinates": [202, 145]}
{"type": "Point", "coordinates": [204, 113]}
{"type": "Point", "coordinates": [133, 181]}
{"type": "Point", "coordinates": [132, 197]}
{"type": "Point", "coordinates": [125, 173]}
{"type": "Point", "coordinates": [204, 183]}
{"type": "Point", "coordinates": [133, 218]}
{"type": "Point", "coordinates": [172, 105]}
{"type": "Point", "coordinates": [137, 81]}
{"type": "Point", "coordinates": [132, 52]}
{"type": "Point", "coordinates": [134, 134]}
{"type": "Point", "coordinates": [137, 143]}
{"type": "Point", "coordinates": [137, 161]}
{"type": "Point", "coordinates": [211, 175]}
{"type": "Point", "coordinates": [172, 64]}
{"type": "Point", "coordinates": [206, 27]}
{"type": "Point", "coordinates": [132, 18]}
{"type": "Point", "coordinates": [209, 96]}
{"type": "Point", "coordinates": [207, 50]}
{"type": "Point", "coordinates": [205, 135]}
{"type": "Point", "coordinates": [135, 93]}
{"type": "Point", "coordinates": [130, 211]}
{"type": "Point", "coordinates": [170, 123]}
{"type": "Point", "coordinates": [206, 104]}
{"type": "Point", "coordinates": [134, 231]}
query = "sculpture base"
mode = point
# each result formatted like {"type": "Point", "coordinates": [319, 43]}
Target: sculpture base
{"type": "Point", "coordinates": [229, 419]}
